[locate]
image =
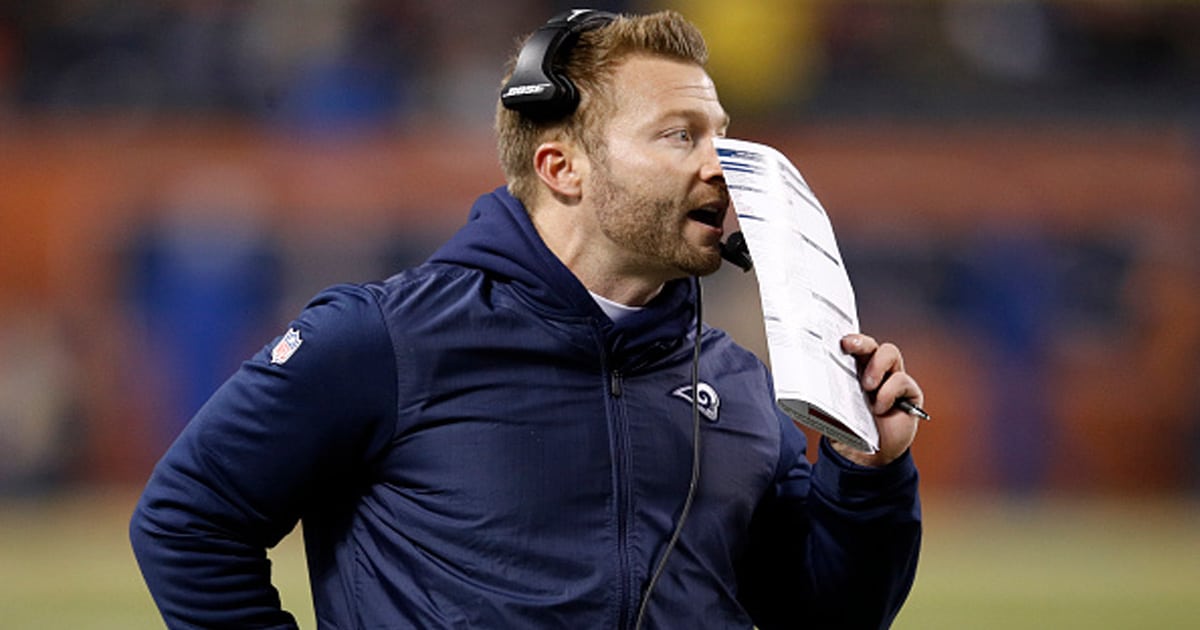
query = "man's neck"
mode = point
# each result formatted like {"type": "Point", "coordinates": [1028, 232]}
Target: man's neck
{"type": "Point", "coordinates": [599, 270]}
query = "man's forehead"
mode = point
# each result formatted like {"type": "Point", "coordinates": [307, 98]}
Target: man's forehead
{"type": "Point", "coordinates": [665, 72]}
{"type": "Point", "coordinates": [669, 83]}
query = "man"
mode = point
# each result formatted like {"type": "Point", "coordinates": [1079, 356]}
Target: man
{"type": "Point", "coordinates": [503, 437]}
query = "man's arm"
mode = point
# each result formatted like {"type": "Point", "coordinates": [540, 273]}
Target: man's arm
{"type": "Point", "coordinates": [270, 440]}
{"type": "Point", "coordinates": [836, 544]}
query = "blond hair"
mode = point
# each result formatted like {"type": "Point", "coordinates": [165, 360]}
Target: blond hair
{"type": "Point", "coordinates": [591, 65]}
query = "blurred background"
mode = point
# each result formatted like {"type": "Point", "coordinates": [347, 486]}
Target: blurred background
{"type": "Point", "coordinates": [1015, 185]}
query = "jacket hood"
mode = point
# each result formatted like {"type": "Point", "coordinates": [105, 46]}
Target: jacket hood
{"type": "Point", "coordinates": [500, 240]}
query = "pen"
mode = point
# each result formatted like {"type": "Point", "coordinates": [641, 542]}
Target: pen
{"type": "Point", "coordinates": [912, 409]}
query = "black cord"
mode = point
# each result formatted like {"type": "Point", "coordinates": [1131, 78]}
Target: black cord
{"type": "Point", "coordinates": [695, 480]}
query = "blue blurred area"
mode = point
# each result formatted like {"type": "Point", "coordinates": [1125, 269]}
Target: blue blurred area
{"type": "Point", "coordinates": [202, 279]}
{"type": "Point", "coordinates": [184, 174]}
{"type": "Point", "coordinates": [374, 61]}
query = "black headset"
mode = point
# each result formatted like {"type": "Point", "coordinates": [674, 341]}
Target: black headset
{"type": "Point", "coordinates": [538, 88]}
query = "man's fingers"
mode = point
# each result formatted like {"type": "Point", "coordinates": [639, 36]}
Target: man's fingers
{"type": "Point", "coordinates": [859, 344]}
{"type": "Point", "coordinates": [879, 364]}
{"type": "Point", "coordinates": [898, 385]}
{"type": "Point", "coordinates": [886, 360]}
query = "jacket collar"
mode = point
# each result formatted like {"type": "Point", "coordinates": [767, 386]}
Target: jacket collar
{"type": "Point", "coordinates": [500, 240]}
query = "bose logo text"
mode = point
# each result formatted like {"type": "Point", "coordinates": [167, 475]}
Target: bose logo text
{"type": "Point", "coordinates": [521, 90]}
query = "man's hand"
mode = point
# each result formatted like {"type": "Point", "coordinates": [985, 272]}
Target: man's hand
{"type": "Point", "coordinates": [882, 375]}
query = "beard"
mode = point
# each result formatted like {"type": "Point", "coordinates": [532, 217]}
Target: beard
{"type": "Point", "coordinates": [650, 228]}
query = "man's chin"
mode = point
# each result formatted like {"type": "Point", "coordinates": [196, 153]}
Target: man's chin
{"type": "Point", "coordinates": [703, 263]}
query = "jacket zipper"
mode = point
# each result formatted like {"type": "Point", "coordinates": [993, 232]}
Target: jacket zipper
{"type": "Point", "coordinates": [623, 500]}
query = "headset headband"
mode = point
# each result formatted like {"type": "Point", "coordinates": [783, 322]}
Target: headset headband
{"type": "Point", "coordinates": [538, 88]}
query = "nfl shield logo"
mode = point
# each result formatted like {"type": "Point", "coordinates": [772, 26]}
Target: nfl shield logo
{"type": "Point", "coordinates": [286, 347]}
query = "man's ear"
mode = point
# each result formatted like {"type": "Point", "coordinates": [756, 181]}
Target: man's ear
{"type": "Point", "coordinates": [560, 166]}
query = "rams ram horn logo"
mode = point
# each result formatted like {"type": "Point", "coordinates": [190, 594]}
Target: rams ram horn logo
{"type": "Point", "coordinates": [707, 400]}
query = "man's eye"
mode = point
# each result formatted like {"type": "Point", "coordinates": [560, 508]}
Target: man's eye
{"type": "Point", "coordinates": [682, 135]}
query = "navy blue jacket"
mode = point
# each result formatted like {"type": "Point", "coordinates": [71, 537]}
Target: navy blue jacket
{"type": "Point", "coordinates": [474, 444]}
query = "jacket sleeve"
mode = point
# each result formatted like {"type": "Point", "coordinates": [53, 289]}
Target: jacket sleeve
{"type": "Point", "coordinates": [272, 440]}
{"type": "Point", "coordinates": [834, 544]}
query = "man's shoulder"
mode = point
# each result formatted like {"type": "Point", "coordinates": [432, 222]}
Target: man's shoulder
{"type": "Point", "coordinates": [423, 277]}
{"type": "Point", "coordinates": [720, 341]}
{"type": "Point", "coordinates": [429, 286]}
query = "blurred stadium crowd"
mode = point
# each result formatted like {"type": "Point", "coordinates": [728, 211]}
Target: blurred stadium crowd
{"type": "Point", "coordinates": [388, 61]}
{"type": "Point", "coordinates": [1018, 183]}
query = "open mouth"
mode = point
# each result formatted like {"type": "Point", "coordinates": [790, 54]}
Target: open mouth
{"type": "Point", "coordinates": [712, 216]}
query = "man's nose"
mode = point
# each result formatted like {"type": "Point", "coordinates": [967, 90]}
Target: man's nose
{"type": "Point", "coordinates": [710, 169]}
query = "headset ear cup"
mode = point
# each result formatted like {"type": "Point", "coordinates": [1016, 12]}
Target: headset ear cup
{"type": "Point", "coordinates": [532, 86]}
{"type": "Point", "coordinates": [568, 97]}
{"type": "Point", "coordinates": [537, 88]}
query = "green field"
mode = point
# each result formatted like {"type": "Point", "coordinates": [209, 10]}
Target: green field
{"type": "Point", "coordinates": [65, 563]}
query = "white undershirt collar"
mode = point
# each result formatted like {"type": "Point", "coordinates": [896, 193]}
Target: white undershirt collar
{"type": "Point", "coordinates": [615, 310]}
